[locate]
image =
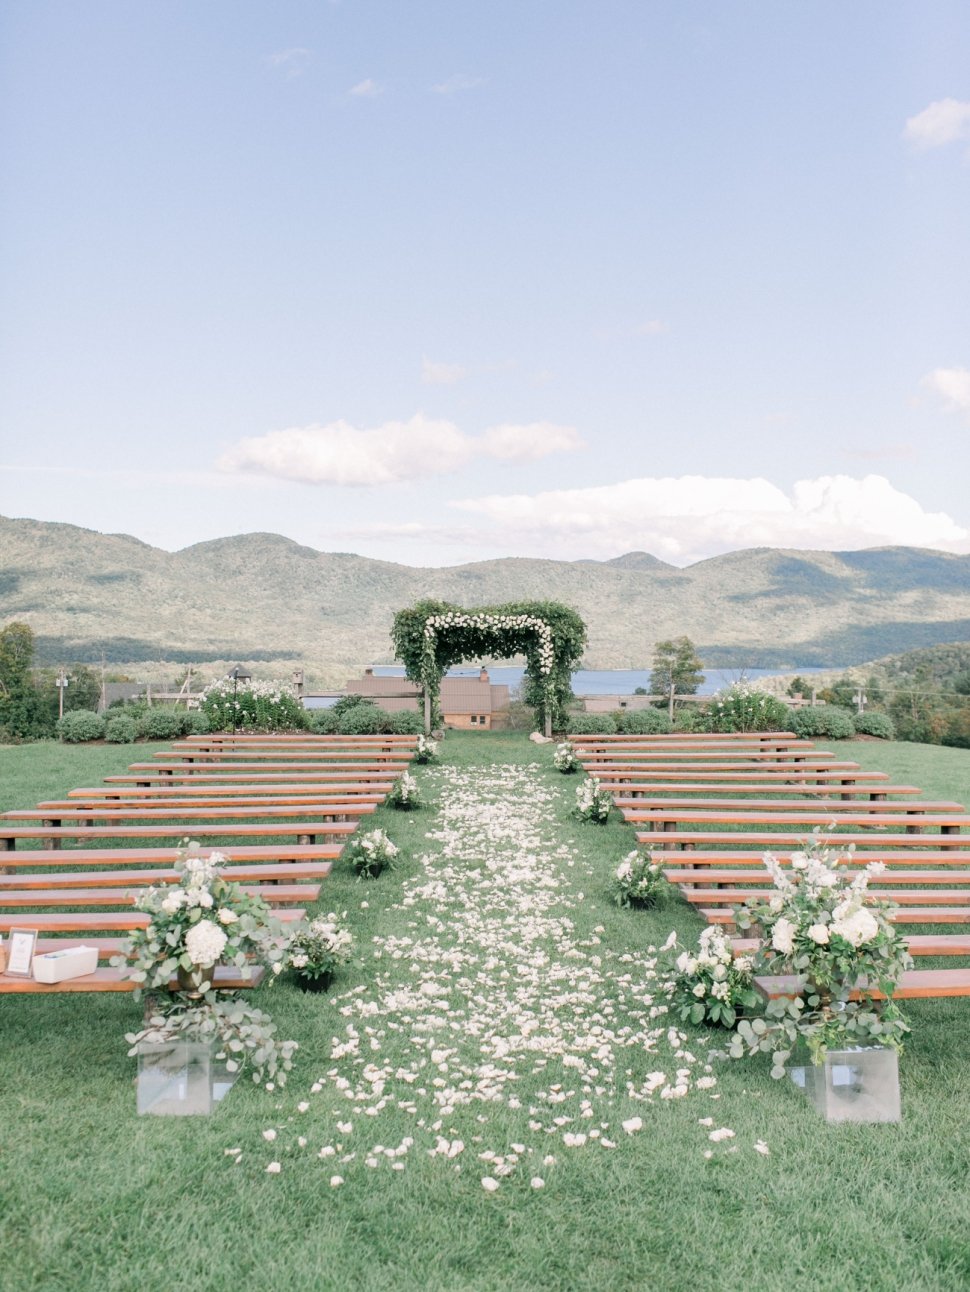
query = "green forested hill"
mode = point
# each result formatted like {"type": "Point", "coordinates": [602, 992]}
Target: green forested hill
{"type": "Point", "coordinates": [261, 597]}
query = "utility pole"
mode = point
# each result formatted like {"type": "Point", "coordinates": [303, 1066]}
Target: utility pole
{"type": "Point", "coordinates": [61, 682]}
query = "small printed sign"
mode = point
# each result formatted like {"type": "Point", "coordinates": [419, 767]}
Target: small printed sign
{"type": "Point", "coordinates": [20, 952]}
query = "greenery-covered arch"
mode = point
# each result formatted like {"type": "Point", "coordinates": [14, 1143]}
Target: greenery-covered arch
{"type": "Point", "coordinates": [433, 635]}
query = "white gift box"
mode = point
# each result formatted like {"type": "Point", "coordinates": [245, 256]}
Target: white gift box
{"type": "Point", "coordinates": [72, 962]}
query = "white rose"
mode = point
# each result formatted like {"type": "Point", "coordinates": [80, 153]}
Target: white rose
{"type": "Point", "coordinates": [819, 933]}
{"type": "Point", "coordinates": [700, 990]}
{"type": "Point", "coordinates": [782, 937]}
{"type": "Point", "coordinates": [226, 916]}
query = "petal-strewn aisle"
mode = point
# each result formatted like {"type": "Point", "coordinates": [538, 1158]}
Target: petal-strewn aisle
{"type": "Point", "coordinates": [500, 1035]}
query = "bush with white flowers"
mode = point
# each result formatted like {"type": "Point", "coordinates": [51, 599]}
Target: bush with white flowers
{"type": "Point", "coordinates": [592, 802]}
{"type": "Point", "coordinates": [425, 750]}
{"type": "Point", "coordinates": [564, 759]}
{"type": "Point", "coordinates": [638, 881]}
{"type": "Point", "coordinates": [318, 947]}
{"type": "Point", "coordinates": [405, 794]}
{"type": "Point", "coordinates": [710, 984]}
{"type": "Point", "coordinates": [371, 853]}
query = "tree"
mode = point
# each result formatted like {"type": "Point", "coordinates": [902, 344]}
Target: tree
{"type": "Point", "coordinates": [21, 707]}
{"type": "Point", "coordinates": [82, 692]}
{"type": "Point", "coordinates": [675, 664]}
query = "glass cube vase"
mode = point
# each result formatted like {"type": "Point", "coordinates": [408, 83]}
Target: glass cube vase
{"type": "Point", "coordinates": [181, 1078]}
{"type": "Point", "coordinates": [855, 1085]}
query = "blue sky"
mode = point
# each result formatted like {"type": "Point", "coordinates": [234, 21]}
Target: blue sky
{"type": "Point", "coordinates": [444, 281]}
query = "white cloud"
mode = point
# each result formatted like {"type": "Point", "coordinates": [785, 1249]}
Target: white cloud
{"type": "Point", "coordinates": [530, 442]}
{"type": "Point", "coordinates": [653, 327]}
{"type": "Point", "coordinates": [943, 122]}
{"type": "Point", "coordinates": [341, 454]}
{"type": "Point", "coordinates": [458, 82]}
{"type": "Point", "coordinates": [688, 518]}
{"type": "Point", "coordinates": [366, 89]}
{"type": "Point", "coordinates": [441, 374]}
{"type": "Point", "coordinates": [291, 62]}
{"type": "Point", "coordinates": [953, 385]}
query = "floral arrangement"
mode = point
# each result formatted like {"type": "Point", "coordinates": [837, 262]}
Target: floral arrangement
{"type": "Point", "coordinates": [371, 853]}
{"type": "Point", "coordinates": [251, 706]}
{"type": "Point", "coordinates": [425, 750]}
{"type": "Point", "coordinates": [244, 1035]}
{"type": "Point", "coordinates": [404, 794]}
{"type": "Point", "coordinates": [709, 985]}
{"type": "Point", "coordinates": [638, 881]}
{"type": "Point", "coordinates": [592, 803]}
{"type": "Point", "coordinates": [821, 925]}
{"type": "Point", "coordinates": [196, 923]}
{"type": "Point", "coordinates": [316, 949]}
{"type": "Point", "coordinates": [564, 759]}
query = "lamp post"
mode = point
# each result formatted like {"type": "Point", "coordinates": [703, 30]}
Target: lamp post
{"type": "Point", "coordinates": [238, 674]}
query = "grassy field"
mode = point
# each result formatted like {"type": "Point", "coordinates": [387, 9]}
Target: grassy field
{"type": "Point", "coordinates": [93, 1197]}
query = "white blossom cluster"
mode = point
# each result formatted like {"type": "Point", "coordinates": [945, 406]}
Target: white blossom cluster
{"type": "Point", "coordinates": [205, 943]}
{"type": "Point", "coordinates": [485, 981]}
{"type": "Point", "coordinates": [494, 623]}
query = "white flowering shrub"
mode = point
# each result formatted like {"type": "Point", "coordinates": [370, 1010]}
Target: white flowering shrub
{"type": "Point", "coordinates": [425, 750]}
{"type": "Point", "coordinates": [371, 853]}
{"type": "Point", "coordinates": [819, 923]}
{"type": "Point", "coordinates": [405, 794]}
{"type": "Point", "coordinates": [564, 759]}
{"type": "Point", "coordinates": [317, 948]}
{"type": "Point", "coordinates": [745, 708]}
{"type": "Point", "coordinates": [709, 985]}
{"type": "Point", "coordinates": [198, 922]}
{"type": "Point", "coordinates": [252, 706]}
{"type": "Point", "coordinates": [638, 881]}
{"type": "Point", "coordinates": [592, 803]}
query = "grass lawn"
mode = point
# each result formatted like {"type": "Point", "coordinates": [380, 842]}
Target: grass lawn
{"type": "Point", "coordinates": [497, 1001]}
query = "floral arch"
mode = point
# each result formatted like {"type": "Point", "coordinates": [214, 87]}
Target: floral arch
{"type": "Point", "coordinates": [433, 635]}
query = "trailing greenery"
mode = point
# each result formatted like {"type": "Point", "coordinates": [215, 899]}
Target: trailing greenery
{"type": "Point", "coordinates": [433, 635]}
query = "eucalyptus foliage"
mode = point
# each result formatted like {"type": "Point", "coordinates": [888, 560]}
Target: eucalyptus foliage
{"type": "Point", "coordinates": [431, 636]}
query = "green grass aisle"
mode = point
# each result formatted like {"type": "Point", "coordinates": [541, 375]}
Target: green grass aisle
{"type": "Point", "coordinates": [486, 1101]}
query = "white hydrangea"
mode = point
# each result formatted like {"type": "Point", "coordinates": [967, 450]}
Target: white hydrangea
{"type": "Point", "coordinates": [205, 943]}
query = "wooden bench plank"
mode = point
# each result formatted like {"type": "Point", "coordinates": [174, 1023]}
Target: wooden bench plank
{"type": "Point", "coordinates": [105, 978]}
{"type": "Point", "coordinates": [24, 899]}
{"type": "Point", "coordinates": [914, 984]}
{"type": "Point", "coordinates": [712, 875]}
{"type": "Point", "coordinates": [730, 896]}
{"type": "Point", "coordinates": [822, 793]}
{"type": "Point", "coordinates": [241, 874]}
{"type": "Point", "coordinates": [147, 776]}
{"type": "Point", "coordinates": [103, 921]}
{"type": "Point", "coordinates": [308, 830]}
{"type": "Point", "coordinates": [904, 915]}
{"type": "Point", "coordinates": [282, 852]}
{"type": "Point", "coordinates": [233, 793]}
{"type": "Point", "coordinates": [148, 812]}
{"type": "Point", "coordinates": [765, 806]}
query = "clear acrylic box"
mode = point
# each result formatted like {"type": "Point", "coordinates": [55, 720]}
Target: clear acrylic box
{"type": "Point", "coordinates": [181, 1078]}
{"type": "Point", "coordinates": [857, 1085]}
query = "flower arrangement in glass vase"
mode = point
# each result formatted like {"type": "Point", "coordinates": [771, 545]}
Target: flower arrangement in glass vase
{"type": "Point", "coordinates": [564, 759]}
{"type": "Point", "coordinates": [371, 853]}
{"type": "Point", "coordinates": [710, 985]}
{"type": "Point", "coordinates": [638, 881]}
{"type": "Point", "coordinates": [404, 794]}
{"type": "Point", "coordinates": [820, 925]}
{"type": "Point", "coordinates": [316, 949]}
{"type": "Point", "coordinates": [592, 802]}
{"type": "Point", "coordinates": [425, 749]}
{"type": "Point", "coordinates": [197, 923]}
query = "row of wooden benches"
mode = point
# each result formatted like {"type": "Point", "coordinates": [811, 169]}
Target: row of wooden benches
{"type": "Point", "coordinates": [294, 827]}
{"type": "Point", "coordinates": [714, 805]}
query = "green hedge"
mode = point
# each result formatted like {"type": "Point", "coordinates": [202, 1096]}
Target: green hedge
{"type": "Point", "coordinates": [80, 725]}
{"type": "Point", "coordinates": [829, 720]}
{"type": "Point", "coordinates": [643, 722]}
{"type": "Point", "coordinates": [875, 724]}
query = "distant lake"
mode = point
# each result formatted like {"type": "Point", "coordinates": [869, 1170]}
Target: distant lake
{"type": "Point", "coordinates": [612, 681]}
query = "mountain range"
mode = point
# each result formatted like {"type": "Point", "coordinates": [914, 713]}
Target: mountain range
{"type": "Point", "coordinates": [265, 600]}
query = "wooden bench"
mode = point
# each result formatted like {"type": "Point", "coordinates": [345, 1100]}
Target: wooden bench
{"type": "Point", "coordinates": [205, 768]}
{"type": "Point", "coordinates": [335, 810]}
{"type": "Point", "coordinates": [675, 738]}
{"type": "Point", "coordinates": [148, 775]}
{"type": "Point", "coordinates": [912, 821]}
{"type": "Point", "coordinates": [914, 984]}
{"type": "Point", "coordinates": [305, 831]}
{"type": "Point", "coordinates": [234, 793]}
{"type": "Point", "coordinates": [348, 758]}
{"type": "Point", "coordinates": [811, 779]}
{"type": "Point", "coordinates": [639, 791]}
{"type": "Point", "coordinates": [106, 978]}
{"type": "Point", "coordinates": [637, 809]}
